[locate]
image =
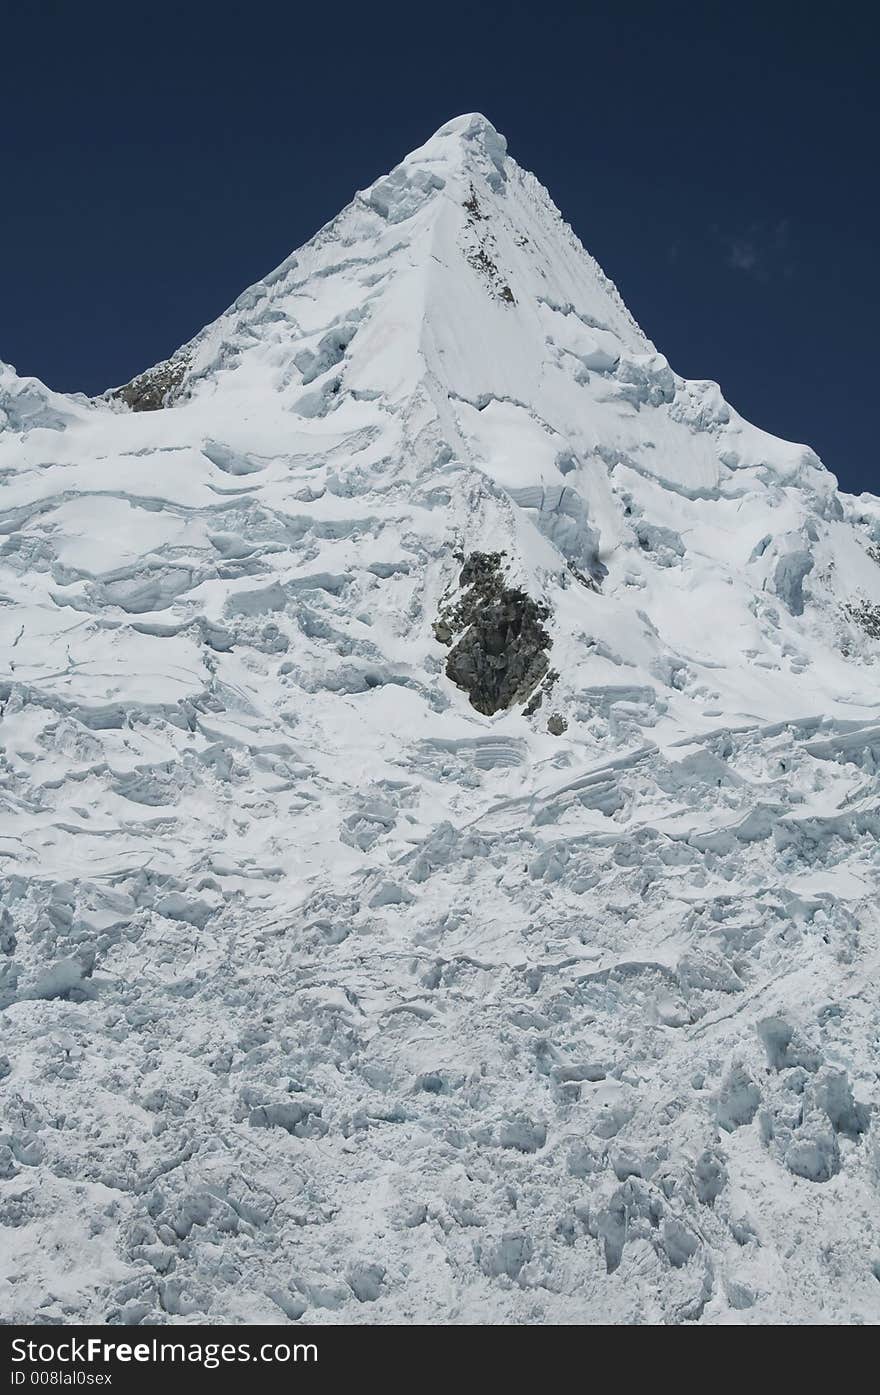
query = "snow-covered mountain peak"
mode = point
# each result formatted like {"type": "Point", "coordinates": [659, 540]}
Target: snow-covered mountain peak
{"type": "Point", "coordinates": [455, 217]}
{"type": "Point", "coordinates": [439, 751]}
{"type": "Point", "coordinates": [466, 145]}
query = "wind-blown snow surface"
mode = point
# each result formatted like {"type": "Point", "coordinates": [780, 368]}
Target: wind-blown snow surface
{"type": "Point", "coordinates": [325, 996]}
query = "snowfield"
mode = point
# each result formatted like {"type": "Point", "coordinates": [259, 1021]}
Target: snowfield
{"type": "Point", "coordinates": [329, 993]}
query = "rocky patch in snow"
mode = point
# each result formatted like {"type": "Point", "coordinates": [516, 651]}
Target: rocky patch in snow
{"type": "Point", "coordinates": [154, 389]}
{"type": "Point", "coordinates": [500, 647]}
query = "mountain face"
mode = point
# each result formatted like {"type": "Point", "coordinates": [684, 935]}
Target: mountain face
{"type": "Point", "coordinates": [439, 757]}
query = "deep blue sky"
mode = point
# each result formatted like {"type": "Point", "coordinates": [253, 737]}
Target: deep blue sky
{"type": "Point", "coordinates": [718, 160]}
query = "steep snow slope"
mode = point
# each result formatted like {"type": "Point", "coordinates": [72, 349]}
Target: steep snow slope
{"type": "Point", "coordinates": [326, 994]}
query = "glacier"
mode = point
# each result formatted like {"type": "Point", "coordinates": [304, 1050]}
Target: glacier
{"type": "Point", "coordinates": [352, 972]}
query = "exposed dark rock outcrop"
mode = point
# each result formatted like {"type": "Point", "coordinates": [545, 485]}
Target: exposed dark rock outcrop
{"type": "Point", "coordinates": [150, 391]}
{"type": "Point", "coordinates": [482, 256]}
{"type": "Point", "coordinates": [546, 687]}
{"type": "Point", "coordinates": [501, 654]}
{"type": "Point", "coordinates": [866, 616]}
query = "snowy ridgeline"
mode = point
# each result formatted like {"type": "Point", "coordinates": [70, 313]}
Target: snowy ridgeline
{"type": "Point", "coordinates": [439, 758]}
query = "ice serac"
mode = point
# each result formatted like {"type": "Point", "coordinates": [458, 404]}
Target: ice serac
{"type": "Point", "coordinates": [440, 755]}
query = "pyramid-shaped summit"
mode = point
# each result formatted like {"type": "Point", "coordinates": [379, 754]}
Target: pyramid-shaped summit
{"type": "Point", "coordinates": [440, 807]}
{"type": "Point", "coordinates": [458, 199]}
